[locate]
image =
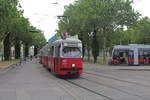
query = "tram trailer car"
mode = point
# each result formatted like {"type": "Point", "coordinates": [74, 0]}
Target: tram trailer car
{"type": "Point", "coordinates": [132, 54]}
{"type": "Point", "coordinates": [63, 57]}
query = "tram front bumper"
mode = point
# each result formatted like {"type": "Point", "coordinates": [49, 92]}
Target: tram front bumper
{"type": "Point", "coordinates": [70, 69]}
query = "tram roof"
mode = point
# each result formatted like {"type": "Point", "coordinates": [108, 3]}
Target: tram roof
{"type": "Point", "coordinates": [131, 46]}
{"type": "Point", "coordinates": [72, 40]}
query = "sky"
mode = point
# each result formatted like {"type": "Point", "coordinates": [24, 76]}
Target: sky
{"type": "Point", "coordinates": [43, 13]}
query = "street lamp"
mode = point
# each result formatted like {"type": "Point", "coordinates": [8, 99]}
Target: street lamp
{"type": "Point", "coordinates": [67, 17]}
{"type": "Point", "coordinates": [56, 3]}
{"type": "Point", "coordinates": [89, 35]}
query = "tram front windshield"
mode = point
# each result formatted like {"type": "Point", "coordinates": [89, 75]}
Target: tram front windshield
{"type": "Point", "coordinates": [72, 52]}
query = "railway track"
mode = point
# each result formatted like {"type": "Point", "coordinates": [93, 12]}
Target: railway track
{"type": "Point", "coordinates": [115, 88]}
{"type": "Point", "coordinates": [85, 87]}
{"type": "Point", "coordinates": [61, 82]}
{"type": "Point", "coordinates": [112, 87]}
{"type": "Point", "coordinates": [88, 89]}
{"type": "Point", "coordinates": [116, 79]}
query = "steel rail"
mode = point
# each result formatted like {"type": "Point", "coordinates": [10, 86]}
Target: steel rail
{"type": "Point", "coordinates": [92, 91]}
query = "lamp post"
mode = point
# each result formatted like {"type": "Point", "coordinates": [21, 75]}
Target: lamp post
{"type": "Point", "coordinates": [88, 45]}
{"type": "Point", "coordinates": [56, 3]}
{"type": "Point", "coordinates": [67, 23]}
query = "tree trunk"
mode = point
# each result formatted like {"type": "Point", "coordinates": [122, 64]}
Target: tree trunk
{"type": "Point", "coordinates": [7, 47]}
{"type": "Point", "coordinates": [83, 49]}
{"type": "Point", "coordinates": [35, 50]}
{"type": "Point", "coordinates": [26, 50]}
{"type": "Point", "coordinates": [17, 49]}
{"type": "Point", "coordinates": [104, 45]}
{"type": "Point", "coordinates": [95, 46]}
{"type": "Point", "coordinates": [88, 48]}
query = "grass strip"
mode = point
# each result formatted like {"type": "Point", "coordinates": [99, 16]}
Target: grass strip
{"type": "Point", "coordinates": [5, 64]}
{"type": "Point", "coordinates": [99, 60]}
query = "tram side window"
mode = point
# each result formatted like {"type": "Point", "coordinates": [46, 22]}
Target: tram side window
{"type": "Point", "coordinates": [131, 54]}
{"type": "Point", "coordinates": [52, 51]}
{"type": "Point", "coordinates": [116, 54]}
{"type": "Point", "coordinates": [141, 54]}
{"type": "Point", "coordinates": [48, 52]}
{"type": "Point", "coordinates": [45, 52]}
{"type": "Point", "coordinates": [57, 51]}
{"type": "Point", "coordinates": [146, 55]}
{"type": "Point", "coordinates": [121, 54]}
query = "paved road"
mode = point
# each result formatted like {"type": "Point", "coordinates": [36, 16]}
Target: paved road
{"type": "Point", "coordinates": [33, 82]}
{"type": "Point", "coordinates": [30, 82]}
{"type": "Point", "coordinates": [121, 82]}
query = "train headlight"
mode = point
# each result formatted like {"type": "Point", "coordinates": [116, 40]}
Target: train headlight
{"type": "Point", "coordinates": [73, 65]}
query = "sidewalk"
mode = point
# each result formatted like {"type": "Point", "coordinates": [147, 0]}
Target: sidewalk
{"type": "Point", "coordinates": [31, 81]}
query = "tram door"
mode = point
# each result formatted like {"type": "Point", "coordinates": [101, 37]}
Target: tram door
{"type": "Point", "coordinates": [57, 60]}
{"type": "Point", "coordinates": [130, 57]}
{"type": "Point", "coordinates": [136, 57]}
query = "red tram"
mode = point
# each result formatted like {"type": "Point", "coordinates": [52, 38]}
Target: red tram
{"type": "Point", "coordinates": [63, 56]}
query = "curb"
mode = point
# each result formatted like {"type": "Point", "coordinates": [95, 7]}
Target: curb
{"type": "Point", "coordinates": [9, 67]}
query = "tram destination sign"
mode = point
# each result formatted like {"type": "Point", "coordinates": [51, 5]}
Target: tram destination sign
{"type": "Point", "coordinates": [71, 44]}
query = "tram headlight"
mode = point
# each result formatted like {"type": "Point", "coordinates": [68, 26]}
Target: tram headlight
{"type": "Point", "coordinates": [73, 65]}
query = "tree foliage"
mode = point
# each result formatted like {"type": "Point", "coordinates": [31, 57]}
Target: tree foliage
{"type": "Point", "coordinates": [108, 17]}
{"type": "Point", "coordinates": [139, 33]}
{"type": "Point", "coordinates": [15, 28]}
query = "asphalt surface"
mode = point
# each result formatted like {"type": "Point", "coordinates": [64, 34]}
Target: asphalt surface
{"type": "Point", "coordinates": [120, 82]}
{"type": "Point", "coordinates": [31, 81]}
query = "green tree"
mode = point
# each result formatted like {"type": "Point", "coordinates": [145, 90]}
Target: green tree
{"type": "Point", "coordinates": [15, 29]}
{"type": "Point", "coordinates": [38, 41]}
{"type": "Point", "coordinates": [108, 16]}
{"type": "Point", "coordinates": [138, 33]}
{"type": "Point", "coordinates": [8, 11]}
{"type": "Point", "coordinates": [95, 46]}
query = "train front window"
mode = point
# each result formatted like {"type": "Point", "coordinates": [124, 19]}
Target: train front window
{"type": "Point", "coordinates": [72, 52]}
